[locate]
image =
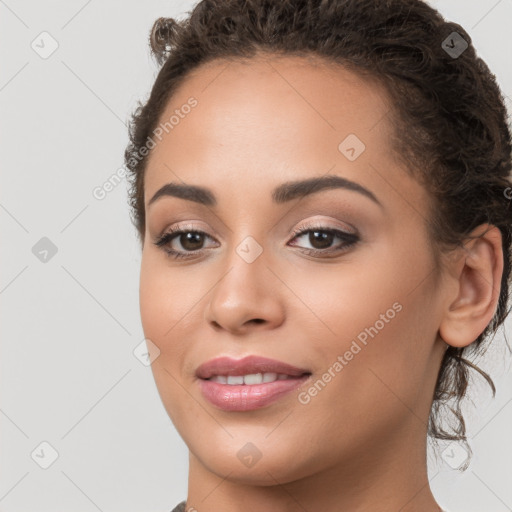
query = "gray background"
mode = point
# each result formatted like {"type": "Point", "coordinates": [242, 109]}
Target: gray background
{"type": "Point", "coordinates": [70, 324]}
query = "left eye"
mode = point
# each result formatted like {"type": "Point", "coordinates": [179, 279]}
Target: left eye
{"type": "Point", "coordinates": [320, 239]}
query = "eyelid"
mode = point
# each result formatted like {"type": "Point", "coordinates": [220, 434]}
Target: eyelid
{"type": "Point", "coordinates": [349, 238]}
{"type": "Point", "coordinates": [322, 225]}
{"type": "Point", "coordinates": [317, 224]}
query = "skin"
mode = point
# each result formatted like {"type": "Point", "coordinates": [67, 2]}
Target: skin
{"type": "Point", "coordinates": [360, 443]}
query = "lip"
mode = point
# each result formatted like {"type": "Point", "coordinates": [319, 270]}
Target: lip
{"type": "Point", "coordinates": [228, 397]}
{"type": "Point", "coordinates": [250, 364]}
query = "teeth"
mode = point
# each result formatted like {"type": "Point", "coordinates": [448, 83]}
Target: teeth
{"type": "Point", "coordinates": [235, 379]}
{"type": "Point", "coordinates": [253, 378]}
{"type": "Point", "coordinates": [250, 379]}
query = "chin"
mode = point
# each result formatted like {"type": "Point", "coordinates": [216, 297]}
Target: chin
{"type": "Point", "coordinates": [246, 464]}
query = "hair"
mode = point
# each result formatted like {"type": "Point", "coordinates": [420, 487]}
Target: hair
{"type": "Point", "coordinates": [447, 111]}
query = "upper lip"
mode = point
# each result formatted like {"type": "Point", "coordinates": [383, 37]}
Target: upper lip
{"type": "Point", "coordinates": [246, 366]}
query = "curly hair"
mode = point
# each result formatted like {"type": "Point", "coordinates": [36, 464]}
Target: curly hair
{"type": "Point", "coordinates": [449, 118]}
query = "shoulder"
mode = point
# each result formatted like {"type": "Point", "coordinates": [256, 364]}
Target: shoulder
{"type": "Point", "coordinates": [180, 507]}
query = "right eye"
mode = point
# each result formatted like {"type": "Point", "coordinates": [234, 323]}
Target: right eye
{"type": "Point", "coordinates": [191, 243]}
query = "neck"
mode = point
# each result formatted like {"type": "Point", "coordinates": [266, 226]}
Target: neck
{"type": "Point", "coordinates": [389, 476]}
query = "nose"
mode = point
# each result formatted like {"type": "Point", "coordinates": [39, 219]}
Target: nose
{"type": "Point", "coordinates": [248, 296]}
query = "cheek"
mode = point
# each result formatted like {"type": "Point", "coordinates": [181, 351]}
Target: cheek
{"type": "Point", "coordinates": [373, 292]}
{"type": "Point", "coordinates": [172, 314]}
{"type": "Point", "coordinates": [163, 309]}
{"type": "Point", "coordinates": [385, 320]}
{"type": "Point", "coordinates": [368, 389]}
{"type": "Point", "coordinates": [166, 297]}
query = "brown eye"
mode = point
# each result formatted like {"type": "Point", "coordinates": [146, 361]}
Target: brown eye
{"type": "Point", "coordinates": [191, 241]}
{"type": "Point", "coordinates": [182, 243]}
{"type": "Point", "coordinates": [321, 240]}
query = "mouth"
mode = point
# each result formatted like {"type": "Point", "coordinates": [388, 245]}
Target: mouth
{"type": "Point", "coordinates": [249, 383]}
{"type": "Point", "coordinates": [249, 366]}
{"type": "Point", "coordinates": [250, 379]}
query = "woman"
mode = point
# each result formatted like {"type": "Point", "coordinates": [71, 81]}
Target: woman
{"type": "Point", "coordinates": [320, 190]}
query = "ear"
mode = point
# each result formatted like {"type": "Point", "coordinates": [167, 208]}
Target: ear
{"type": "Point", "coordinates": [477, 277]}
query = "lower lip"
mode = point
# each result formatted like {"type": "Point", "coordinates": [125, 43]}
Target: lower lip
{"type": "Point", "coordinates": [248, 397]}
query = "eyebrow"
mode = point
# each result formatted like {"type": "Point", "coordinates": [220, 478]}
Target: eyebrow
{"type": "Point", "coordinates": [283, 193]}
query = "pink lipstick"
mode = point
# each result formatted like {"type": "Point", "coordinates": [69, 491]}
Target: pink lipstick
{"type": "Point", "coordinates": [249, 383]}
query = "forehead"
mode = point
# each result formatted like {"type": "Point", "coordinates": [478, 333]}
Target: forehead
{"type": "Point", "coordinates": [269, 116]}
{"type": "Point", "coordinates": [270, 88]}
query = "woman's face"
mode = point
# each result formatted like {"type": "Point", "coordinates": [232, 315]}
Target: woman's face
{"type": "Point", "coordinates": [352, 303]}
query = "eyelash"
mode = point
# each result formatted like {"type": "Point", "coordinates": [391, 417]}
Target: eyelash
{"type": "Point", "coordinates": [164, 240]}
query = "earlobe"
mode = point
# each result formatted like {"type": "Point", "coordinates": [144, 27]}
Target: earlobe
{"type": "Point", "coordinates": [478, 286]}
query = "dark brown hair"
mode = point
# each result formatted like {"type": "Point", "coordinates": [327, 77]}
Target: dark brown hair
{"type": "Point", "coordinates": [448, 114]}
